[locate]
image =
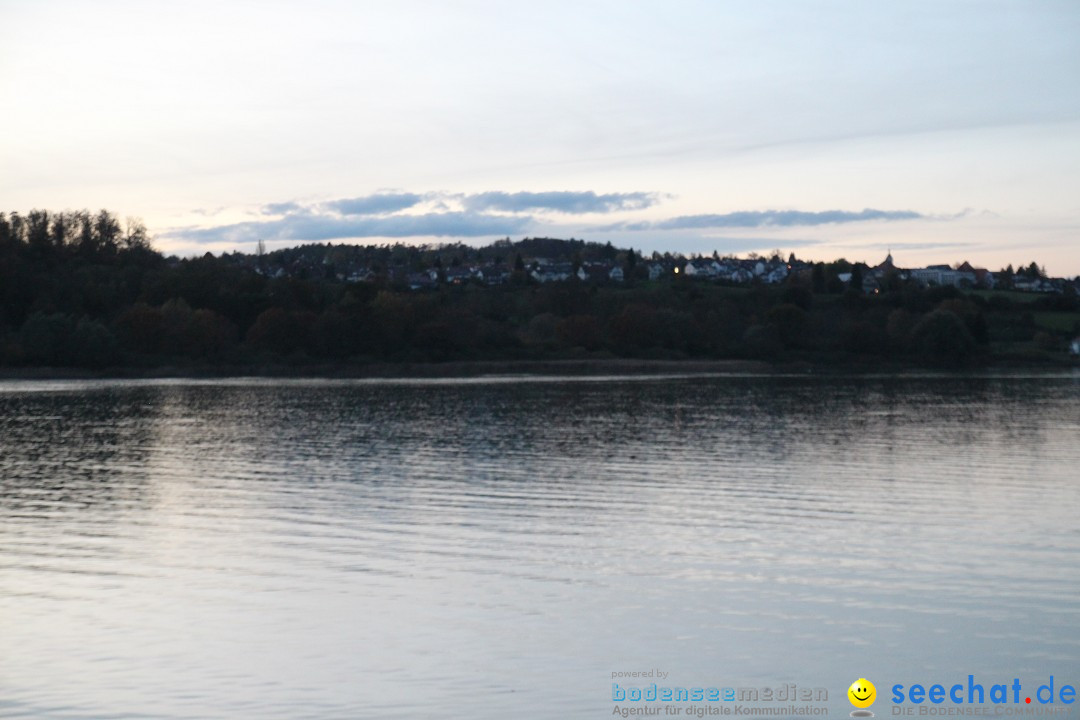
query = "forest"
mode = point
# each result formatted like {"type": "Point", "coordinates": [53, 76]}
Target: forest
{"type": "Point", "coordinates": [85, 290]}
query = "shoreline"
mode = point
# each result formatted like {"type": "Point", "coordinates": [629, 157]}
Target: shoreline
{"type": "Point", "coordinates": [586, 367]}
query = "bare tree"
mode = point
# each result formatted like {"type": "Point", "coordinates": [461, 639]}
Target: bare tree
{"type": "Point", "coordinates": [135, 235]}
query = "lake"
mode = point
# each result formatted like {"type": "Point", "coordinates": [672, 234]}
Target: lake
{"type": "Point", "coordinates": [499, 547]}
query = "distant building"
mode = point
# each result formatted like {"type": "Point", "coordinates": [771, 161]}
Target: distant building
{"type": "Point", "coordinates": [740, 275]}
{"type": "Point", "coordinates": [458, 275]}
{"type": "Point", "coordinates": [597, 272]}
{"type": "Point", "coordinates": [982, 277]}
{"type": "Point", "coordinates": [885, 267]}
{"type": "Point", "coordinates": [702, 268]}
{"type": "Point", "coordinates": [495, 274]}
{"type": "Point", "coordinates": [1032, 284]}
{"type": "Point", "coordinates": [554, 272]}
{"type": "Point", "coordinates": [777, 274]}
{"type": "Point", "coordinates": [942, 275]}
{"type": "Point", "coordinates": [658, 270]}
{"type": "Point", "coordinates": [420, 281]}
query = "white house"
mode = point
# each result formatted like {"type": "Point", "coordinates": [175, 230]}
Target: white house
{"type": "Point", "coordinates": [702, 268]}
{"type": "Point", "coordinates": [740, 275]}
{"type": "Point", "coordinates": [553, 273]}
{"type": "Point", "coordinates": [943, 275]}
{"type": "Point", "coordinates": [777, 274]}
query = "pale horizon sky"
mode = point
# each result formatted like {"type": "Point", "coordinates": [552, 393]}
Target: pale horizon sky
{"type": "Point", "coordinates": [943, 130]}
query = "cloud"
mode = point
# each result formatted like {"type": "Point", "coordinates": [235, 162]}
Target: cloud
{"type": "Point", "coordinates": [767, 218]}
{"type": "Point", "coordinates": [558, 201]}
{"type": "Point", "coordinates": [308, 226]}
{"type": "Point", "coordinates": [388, 203]}
{"type": "Point", "coordinates": [208, 212]}
{"type": "Point", "coordinates": [397, 215]}
{"type": "Point", "coordinates": [378, 204]}
{"type": "Point", "coordinates": [893, 247]}
{"type": "Point", "coordinates": [688, 243]}
{"type": "Point", "coordinates": [279, 208]}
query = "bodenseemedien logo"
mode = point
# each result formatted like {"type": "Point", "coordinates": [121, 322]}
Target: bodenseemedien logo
{"type": "Point", "coordinates": [862, 694]}
{"type": "Point", "coordinates": [699, 701]}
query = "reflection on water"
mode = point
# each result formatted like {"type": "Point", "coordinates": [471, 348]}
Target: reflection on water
{"type": "Point", "coordinates": [488, 548]}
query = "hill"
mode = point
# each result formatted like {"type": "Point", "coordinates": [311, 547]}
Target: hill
{"type": "Point", "coordinates": [82, 290]}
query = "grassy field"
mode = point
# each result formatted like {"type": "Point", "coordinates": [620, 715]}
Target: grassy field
{"type": "Point", "coordinates": [1060, 322]}
{"type": "Point", "coordinates": [1014, 295]}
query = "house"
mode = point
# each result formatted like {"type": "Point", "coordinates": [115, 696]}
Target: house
{"type": "Point", "coordinates": [554, 272]}
{"type": "Point", "coordinates": [870, 283]}
{"type": "Point", "coordinates": [594, 272]}
{"type": "Point", "coordinates": [702, 268]}
{"type": "Point", "coordinates": [495, 274]}
{"type": "Point", "coordinates": [458, 275]}
{"type": "Point", "coordinates": [1032, 284]}
{"type": "Point", "coordinates": [420, 281]}
{"type": "Point", "coordinates": [739, 275]}
{"type": "Point", "coordinates": [943, 275]}
{"type": "Point", "coordinates": [777, 274]}
{"type": "Point", "coordinates": [616, 274]}
{"type": "Point", "coordinates": [982, 277]}
{"type": "Point", "coordinates": [361, 275]}
{"type": "Point", "coordinates": [885, 267]}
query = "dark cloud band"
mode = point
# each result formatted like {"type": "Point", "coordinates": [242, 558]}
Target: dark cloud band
{"type": "Point", "coordinates": [312, 227]}
{"type": "Point", "coordinates": [492, 213]}
{"type": "Point", "coordinates": [379, 204]}
{"type": "Point", "coordinates": [562, 202]}
{"type": "Point", "coordinates": [768, 218]}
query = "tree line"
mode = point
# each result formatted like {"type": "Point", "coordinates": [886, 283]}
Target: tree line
{"type": "Point", "coordinates": [82, 289]}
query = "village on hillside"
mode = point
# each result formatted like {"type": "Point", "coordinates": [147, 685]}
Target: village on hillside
{"type": "Point", "coordinates": [332, 263]}
{"type": "Point", "coordinates": [102, 298]}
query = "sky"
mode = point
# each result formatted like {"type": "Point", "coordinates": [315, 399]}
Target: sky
{"type": "Point", "coordinates": [942, 131]}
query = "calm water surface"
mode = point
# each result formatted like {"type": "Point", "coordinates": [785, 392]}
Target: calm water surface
{"type": "Point", "coordinates": [497, 548]}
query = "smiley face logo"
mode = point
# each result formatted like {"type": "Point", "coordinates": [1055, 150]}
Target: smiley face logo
{"type": "Point", "coordinates": [862, 693]}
